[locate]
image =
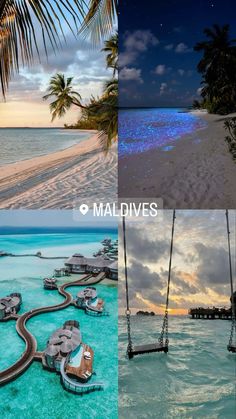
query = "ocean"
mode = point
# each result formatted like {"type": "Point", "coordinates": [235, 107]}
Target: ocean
{"type": "Point", "coordinates": [37, 393]}
{"type": "Point", "coordinates": [150, 128]}
{"type": "Point", "coordinates": [196, 379]}
{"type": "Point", "coordinates": [18, 144]}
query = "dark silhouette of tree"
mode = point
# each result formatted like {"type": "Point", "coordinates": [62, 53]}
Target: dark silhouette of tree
{"type": "Point", "coordinates": [218, 68]}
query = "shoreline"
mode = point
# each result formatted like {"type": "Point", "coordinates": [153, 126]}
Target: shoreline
{"type": "Point", "coordinates": [58, 179]}
{"type": "Point", "coordinates": [198, 172]}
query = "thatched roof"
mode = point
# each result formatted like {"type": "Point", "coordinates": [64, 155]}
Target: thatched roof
{"type": "Point", "coordinates": [96, 262]}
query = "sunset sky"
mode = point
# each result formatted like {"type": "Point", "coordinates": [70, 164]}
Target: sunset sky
{"type": "Point", "coordinates": [24, 105]}
{"type": "Point", "coordinates": [200, 274]}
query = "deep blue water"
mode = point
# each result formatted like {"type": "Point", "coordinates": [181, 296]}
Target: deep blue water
{"type": "Point", "coordinates": [196, 379]}
{"type": "Point", "coordinates": [146, 129]}
{"type": "Point", "coordinates": [21, 144]}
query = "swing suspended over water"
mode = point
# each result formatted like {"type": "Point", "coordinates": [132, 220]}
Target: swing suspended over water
{"type": "Point", "coordinates": [163, 341]}
{"type": "Point", "coordinates": [232, 340]}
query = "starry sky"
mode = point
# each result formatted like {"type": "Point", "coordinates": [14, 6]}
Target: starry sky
{"type": "Point", "coordinates": [200, 267]}
{"type": "Point", "coordinates": [157, 62]}
{"type": "Point", "coordinates": [76, 58]}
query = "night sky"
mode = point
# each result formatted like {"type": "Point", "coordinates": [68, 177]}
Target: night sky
{"type": "Point", "coordinates": [157, 61]}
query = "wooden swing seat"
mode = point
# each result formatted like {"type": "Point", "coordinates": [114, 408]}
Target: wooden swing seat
{"type": "Point", "coordinates": [231, 348]}
{"type": "Point", "coordinates": [146, 349]}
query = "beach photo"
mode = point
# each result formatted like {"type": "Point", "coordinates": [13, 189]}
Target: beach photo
{"type": "Point", "coordinates": [58, 315]}
{"type": "Point", "coordinates": [177, 327]}
{"type": "Point", "coordinates": [177, 99]}
{"type": "Point", "coordinates": [58, 103]}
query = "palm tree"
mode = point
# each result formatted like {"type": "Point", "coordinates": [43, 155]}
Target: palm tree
{"type": "Point", "coordinates": [218, 67]}
{"type": "Point", "coordinates": [61, 88]}
{"type": "Point", "coordinates": [103, 112]}
{"type": "Point", "coordinates": [18, 41]}
{"type": "Point", "coordinates": [111, 48]}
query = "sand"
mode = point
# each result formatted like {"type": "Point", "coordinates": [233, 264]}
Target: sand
{"type": "Point", "coordinates": [64, 179]}
{"type": "Point", "coordinates": [198, 173]}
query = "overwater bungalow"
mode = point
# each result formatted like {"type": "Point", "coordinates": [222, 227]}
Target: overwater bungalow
{"type": "Point", "coordinates": [10, 305]}
{"type": "Point", "coordinates": [61, 272]}
{"type": "Point", "coordinates": [88, 300]}
{"type": "Point", "coordinates": [50, 283]}
{"type": "Point", "coordinates": [78, 264]}
{"type": "Point", "coordinates": [73, 359]}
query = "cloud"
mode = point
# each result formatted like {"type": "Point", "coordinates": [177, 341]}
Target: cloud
{"type": "Point", "coordinates": [139, 40]}
{"type": "Point", "coordinates": [181, 72]}
{"type": "Point", "coordinates": [163, 88]}
{"type": "Point", "coordinates": [143, 248]}
{"type": "Point", "coordinates": [199, 91]}
{"type": "Point", "coordinates": [130, 74]}
{"type": "Point", "coordinates": [213, 264]}
{"type": "Point", "coordinates": [169, 47]}
{"type": "Point", "coordinates": [126, 58]}
{"type": "Point", "coordinates": [182, 48]}
{"type": "Point", "coordinates": [135, 43]}
{"type": "Point", "coordinates": [160, 69]}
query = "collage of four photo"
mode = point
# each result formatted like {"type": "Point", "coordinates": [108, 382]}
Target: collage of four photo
{"type": "Point", "coordinates": [117, 209]}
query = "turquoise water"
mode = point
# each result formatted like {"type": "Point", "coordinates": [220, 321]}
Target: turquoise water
{"type": "Point", "coordinates": [38, 393]}
{"type": "Point", "coordinates": [196, 379]}
{"type": "Point", "coordinates": [21, 144]}
{"type": "Point", "coordinates": [141, 130]}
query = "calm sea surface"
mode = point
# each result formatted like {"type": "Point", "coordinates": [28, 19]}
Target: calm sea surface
{"type": "Point", "coordinates": [38, 393]}
{"type": "Point", "coordinates": [21, 144]}
{"type": "Point", "coordinates": [146, 129]}
{"type": "Point", "coordinates": [196, 379]}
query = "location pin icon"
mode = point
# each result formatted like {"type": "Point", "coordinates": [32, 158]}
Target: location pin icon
{"type": "Point", "coordinates": [83, 209]}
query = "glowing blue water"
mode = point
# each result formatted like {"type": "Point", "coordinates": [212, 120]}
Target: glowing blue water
{"type": "Point", "coordinates": [20, 144]}
{"type": "Point", "coordinates": [196, 379]}
{"type": "Point", "coordinates": [145, 129]}
{"type": "Point", "coordinates": [38, 393]}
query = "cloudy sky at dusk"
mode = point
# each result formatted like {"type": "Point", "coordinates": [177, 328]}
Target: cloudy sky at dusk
{"type": "Point", "coordinates": [200, 273]}
{"type": "Point", "coordinates": [24, 105]}
{"type": "Point", "coordinates": [157, 61]}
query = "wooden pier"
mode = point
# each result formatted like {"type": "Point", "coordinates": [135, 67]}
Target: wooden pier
{"type": "Point", "coordinates": [211, 313]}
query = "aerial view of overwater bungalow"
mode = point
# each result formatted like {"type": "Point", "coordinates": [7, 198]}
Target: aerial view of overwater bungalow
{"type": "Point", "coordinates": [58, 315]}
{"type": "Point", "coordinates": [177, 118]}
{"type": "Point", "coordinates": [58, 103]}
{"type": "Point", "coordinates": [177, 308]}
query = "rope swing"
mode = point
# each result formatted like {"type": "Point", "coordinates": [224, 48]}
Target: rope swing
{"type": "Point", "coordinates": [163, 342]}
{"type": "Point", "coordinates": [232, 339]}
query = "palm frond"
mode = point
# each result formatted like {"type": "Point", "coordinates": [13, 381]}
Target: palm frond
{"type": "Point", "coordinates": [18, 43]}
{"type": "Point", "coordinates": [99, 21]}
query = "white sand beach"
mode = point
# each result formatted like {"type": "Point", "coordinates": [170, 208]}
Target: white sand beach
{"type": "Point", "coordinates": [198, 172]}
{"type": "Point", "coordinates": [63, 179]}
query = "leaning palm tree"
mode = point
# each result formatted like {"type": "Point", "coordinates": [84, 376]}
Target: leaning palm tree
{"type": "Point", "coordinates": [61, 89]}
{"type": "Point", "coordinates": [111, 48]}
{"type": "Point", "coordinates": [19, 38]}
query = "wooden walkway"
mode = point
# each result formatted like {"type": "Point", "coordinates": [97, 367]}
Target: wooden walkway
{"type": "Point", "coordinates": [28, 355]}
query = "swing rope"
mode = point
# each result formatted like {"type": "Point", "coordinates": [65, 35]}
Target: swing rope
{"type": "Point", "coordinates": [164, 331]}
{"type": "Point", "coordinates": [232, 338]}
{"type": "Point", "coordinates": [127, 311]}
